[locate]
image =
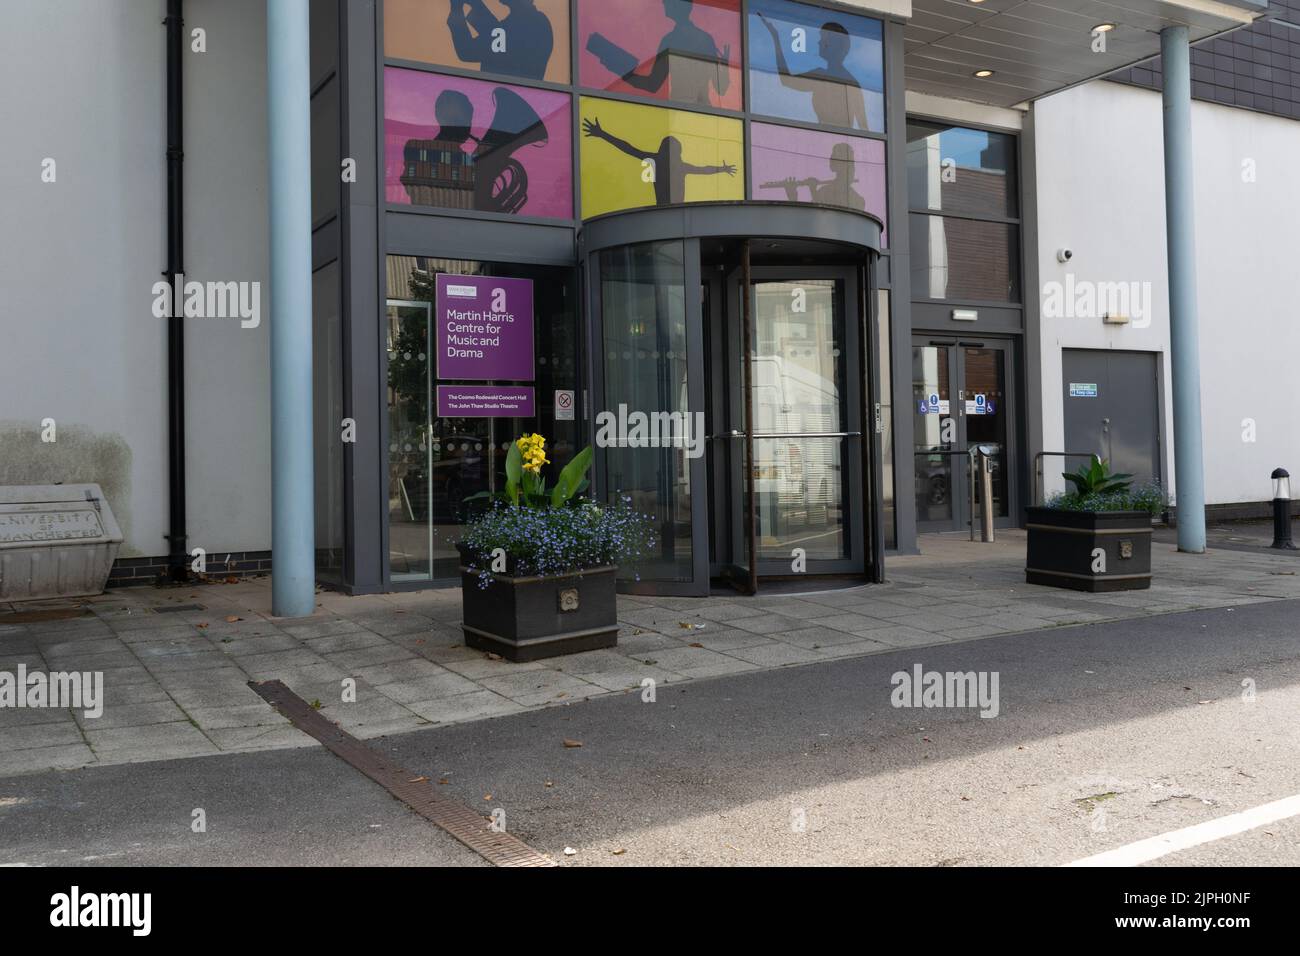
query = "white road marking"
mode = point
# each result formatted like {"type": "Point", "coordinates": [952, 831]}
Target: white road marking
{"type": "Point", "coordinates": [1153, 848]}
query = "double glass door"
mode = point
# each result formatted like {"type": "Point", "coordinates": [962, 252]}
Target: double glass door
{"type": "Point", "coordinates": [784, 420]}
{"type": "Point", "coordinates": [961, 399]}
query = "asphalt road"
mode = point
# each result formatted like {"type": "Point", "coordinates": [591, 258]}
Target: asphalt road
{"type": "Point", "coordinates": [1106, 734]}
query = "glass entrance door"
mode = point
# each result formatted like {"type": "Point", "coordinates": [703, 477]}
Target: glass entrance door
{"type": "Point", "coordinates": [787, 474]}
{"type": "Point", "coordinates": [961, 398]}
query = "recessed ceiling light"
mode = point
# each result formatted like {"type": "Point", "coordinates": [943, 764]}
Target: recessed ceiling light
{"type": "Point", "coordinates": [983, 74]}
{"type": "Point", "coordinates": [1103, 28]}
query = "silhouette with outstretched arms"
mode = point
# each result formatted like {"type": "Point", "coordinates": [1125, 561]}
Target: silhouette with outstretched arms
{"type": "Point", "coordinates": [526, 37]}
{"type": "Point", "coordinates": [837, 97]}
{"type": "Point", "coordinates": [670, 169]}
{"type": "Point", "coordinates": [688, 60]}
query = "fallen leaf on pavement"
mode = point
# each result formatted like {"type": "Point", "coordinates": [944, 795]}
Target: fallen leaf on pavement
{"type": "Point", "coordinates": [619, 852]}
{"type": "Point", "coordinates": [572, 743]}
{"type": "Point", "coordinates": [493, 657]}
{"type": "Point", "coordinates": [696, 644]}
{"type": "Point", "coordinates": [417, 780]}
{"type": "Point", "coordinates": [570, 851]}
{"type": "Point", "coordinates": [231, 619]}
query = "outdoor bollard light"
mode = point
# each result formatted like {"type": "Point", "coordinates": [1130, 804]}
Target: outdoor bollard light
{"type": "Point", "coordinates": [1282, 510]}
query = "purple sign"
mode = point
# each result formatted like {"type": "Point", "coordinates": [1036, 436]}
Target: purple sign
{"type": "Point", "coordinates": [485, 401]}
{"type": "Point", "coordinates": [485, 328]}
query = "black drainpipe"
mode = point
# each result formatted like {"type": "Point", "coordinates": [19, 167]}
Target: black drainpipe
{"type": "Point", "coordinates": [177, 554]}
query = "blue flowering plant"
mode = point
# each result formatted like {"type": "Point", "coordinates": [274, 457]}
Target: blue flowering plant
{"type": "Point", "coordinates": [529, 531]}
{"type": "Point", "coordinates": [1096, 488]}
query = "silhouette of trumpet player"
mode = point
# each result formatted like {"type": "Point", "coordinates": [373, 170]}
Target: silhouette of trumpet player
{"type": "Point", "coordinates": [670, 169]}
{"type": "Point", "coordinates": [519, 44]}
{"type": "Point", "coordinates": [836, 191]}
{"type": "Point", "coordinates": [687, 59]}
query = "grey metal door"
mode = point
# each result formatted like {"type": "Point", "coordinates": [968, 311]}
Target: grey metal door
{"type": "Point", "coordinates": [1112, 408]}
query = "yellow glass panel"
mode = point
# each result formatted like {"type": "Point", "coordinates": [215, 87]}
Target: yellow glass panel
{"type": "Point", "coordinates": [634, 155]}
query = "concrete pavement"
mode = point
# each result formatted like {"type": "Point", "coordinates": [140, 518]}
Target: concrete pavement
{"type": "Point", "coordinates": [1107, 734]}
{"type": "Point", "coordinates": [176, 663]}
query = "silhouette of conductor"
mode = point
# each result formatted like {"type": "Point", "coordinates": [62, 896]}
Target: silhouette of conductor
{"type": "Point", "coordinates": [836, 191]}
{"type": "Point", "coordinates": [519, 44]}
{"type": "Point", "coordinates": [837, 97]}
{"type": "Point", "coordinates": [688, 60]}
{"type": "Point", "coordinates": [670, 169]}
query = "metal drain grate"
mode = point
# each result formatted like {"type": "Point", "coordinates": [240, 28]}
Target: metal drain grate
{"type": "Point", "coordinates": [467, 825]}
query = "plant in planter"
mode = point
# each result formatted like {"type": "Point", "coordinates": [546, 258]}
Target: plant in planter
{"type": "Point", "coordinates": [538, 567]}
{"type": "Point", "coordinates": [1096, 536]}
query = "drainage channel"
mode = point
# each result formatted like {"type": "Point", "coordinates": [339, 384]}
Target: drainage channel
{"type": "Point", "coordinates": [465, 824]}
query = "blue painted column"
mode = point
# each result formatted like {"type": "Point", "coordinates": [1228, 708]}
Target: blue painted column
{"type": "Point", "coordinates": [1185, 349]}
{"type": "Point", "coordinates": [293, 546]}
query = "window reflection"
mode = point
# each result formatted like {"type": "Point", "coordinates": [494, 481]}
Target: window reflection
{"type": "Point", "coordinates": [643, 315]}
{"type": "Point", "coordinates": [961, 171]}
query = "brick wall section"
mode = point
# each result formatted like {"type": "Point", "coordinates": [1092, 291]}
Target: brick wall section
{"type": "Point", "coordinates": [134, 572]}
{"type": "Point", "coordinates": [1255, 68]}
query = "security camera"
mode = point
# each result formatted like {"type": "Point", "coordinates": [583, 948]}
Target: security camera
{"type": "Point", "coordinates": [1064, 255]}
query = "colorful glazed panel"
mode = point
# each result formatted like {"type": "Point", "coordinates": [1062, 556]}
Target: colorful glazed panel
{"type": "Point", "coordinates": [524, 38]}
{"type": "Point", "coordinates": [457, 143]}
{"type": "Point", "coordinates": [816, 65]}
{"type": "Point", "coordinates": [635, 156]}
{"type": "Point", "coordinates": [687, 51]}
{"type": "Point", "coordinates": [803, 165]}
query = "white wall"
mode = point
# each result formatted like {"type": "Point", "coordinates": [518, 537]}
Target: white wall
{"type": "Point", "coordinates": [1101, 193]}
{"type": "Point", "coordinates": [79, 256]}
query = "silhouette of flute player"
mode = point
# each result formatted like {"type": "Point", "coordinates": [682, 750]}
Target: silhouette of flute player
{"type": "Point", "coordinates": [838, 191]}
{"type": "Point", "coordinates": [687, 58]}
{"type": "Point", "coordinates": [670, 169]}
{"type": "Point", "coordinates": [837, 97]}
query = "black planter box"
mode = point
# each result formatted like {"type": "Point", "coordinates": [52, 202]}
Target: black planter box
{"type": "Point", "coordinates": [1062, 544]}
{"type": "Point", "coordinates": [529, 618]}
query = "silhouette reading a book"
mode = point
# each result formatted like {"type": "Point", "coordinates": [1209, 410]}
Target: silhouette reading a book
{"type": "Point", "coordinates": [492, 179]}
{"type": "Point", "coordinates": [837, 97]}
{"type": "Point", "coordinates": [688, 60]}
{"type": "Point", "coordinates": [519, 44]}
{"type": "Point", "coordinates": [836, 191]}
{"type": "Point", "coordinates": [669, 168]}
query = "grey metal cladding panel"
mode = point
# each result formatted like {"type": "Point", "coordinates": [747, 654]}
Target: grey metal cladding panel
{"type": "Point", "coordinates": [940, 77]}
{"type": "Point", "coordinates": [447, 237]}
{"type": "Point", "coordinates": [325, 244]}
{"type": "Point", "coordinates": [792, 220]}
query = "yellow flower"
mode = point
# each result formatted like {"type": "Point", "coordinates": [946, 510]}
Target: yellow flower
{"type": "Point", "coordinates": [532, 449]}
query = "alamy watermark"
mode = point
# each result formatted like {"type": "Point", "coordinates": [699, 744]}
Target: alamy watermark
{"type": "Point", "coordinates": [75, 908]}
{"type": "Point", "coordinates": [1083, 299]}
{"type": "Point", "coordinates": [629, 429]}
{"type": "Point", "coordinates": [60, 690]}
{"type": "Point", "coordinates": [933, 689]}
{"type": "Point", "coordinates": [209, 300]}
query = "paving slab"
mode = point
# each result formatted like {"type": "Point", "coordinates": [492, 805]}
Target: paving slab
{"type": "Point", "coordinates": [176, 683]}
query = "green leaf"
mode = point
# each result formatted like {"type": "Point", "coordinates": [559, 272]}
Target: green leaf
{"type": "Point", "coordinates": [514, 463]}
{"type": "Point", "coordinates": [572, 476]}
